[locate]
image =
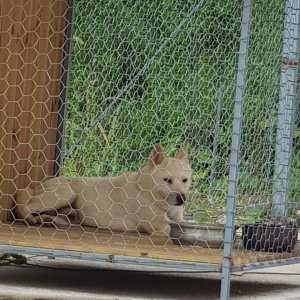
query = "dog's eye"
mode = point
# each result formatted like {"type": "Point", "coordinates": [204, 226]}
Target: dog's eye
{"type": "Point", "coordinates": [184, 180]}
{"type": "Point", "coordinates": [168, 180]}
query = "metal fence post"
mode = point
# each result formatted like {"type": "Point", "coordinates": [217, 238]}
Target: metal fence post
{"type": "Point", "coordinates": [216, 140]}
{"type": "Point", "coordinates": [235, 148]}
{"type": "Point", "coordinates": [59, 156]}
{"type": "Point", "coordinates": [286, 110]}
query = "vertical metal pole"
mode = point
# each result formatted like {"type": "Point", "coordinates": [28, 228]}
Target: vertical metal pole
{"type": "Point", "coordinates": [286, 110]}
{"type": "Point", "coordinates": [216, 140]}
{"type": "Point", "coordinates": [235, 148]}
{"type": "Point", "coordinates": [64, 88]}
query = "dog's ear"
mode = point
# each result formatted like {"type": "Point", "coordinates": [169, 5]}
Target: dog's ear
{"type": "Point", "coordinates": [182, 153]}
{"type": "Point", "coordinates": [157, 155]}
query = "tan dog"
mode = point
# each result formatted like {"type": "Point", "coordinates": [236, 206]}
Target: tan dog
{"type": "Point", "coordinates": [145, 201]}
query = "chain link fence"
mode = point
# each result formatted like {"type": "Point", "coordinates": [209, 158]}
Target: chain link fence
{"type": "Point", "coordinates": [261, 108]}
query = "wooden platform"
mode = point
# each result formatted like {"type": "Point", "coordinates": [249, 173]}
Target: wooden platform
{"type": "Point", "coordinates": [125, 244]}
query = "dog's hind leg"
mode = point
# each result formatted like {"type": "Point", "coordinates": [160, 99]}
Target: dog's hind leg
{"type": "Point", "coordinates": [32, 204]}
{"type": "Point", "coordinates": [64, 217]}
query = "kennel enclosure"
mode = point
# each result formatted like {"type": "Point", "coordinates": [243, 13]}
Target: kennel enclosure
{"type": "Point", "coordinates": [87, 89]}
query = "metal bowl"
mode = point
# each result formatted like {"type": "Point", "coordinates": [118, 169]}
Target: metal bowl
{"type": "Point", "coordinates": [193, 234]}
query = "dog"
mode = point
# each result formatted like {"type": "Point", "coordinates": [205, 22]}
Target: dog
{"type": "Point", "coordinates": [145, 201]}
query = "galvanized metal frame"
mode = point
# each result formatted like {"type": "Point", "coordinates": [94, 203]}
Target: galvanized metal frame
{"type": "Point", "coordinates": [235, 148]}
{"type": "Point", "coordinates": [114, 259]}
{"type": "Point", "coordinates": [126, 261]}
{"type": "Point", "coordinates": [64, 89]}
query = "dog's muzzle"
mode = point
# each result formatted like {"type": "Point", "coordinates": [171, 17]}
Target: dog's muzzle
{"type": "Point", "coordinates": [180, 199]}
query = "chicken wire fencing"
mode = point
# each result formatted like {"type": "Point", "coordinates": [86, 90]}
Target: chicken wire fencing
{"type": "Point", "coordinates": [93, 89]}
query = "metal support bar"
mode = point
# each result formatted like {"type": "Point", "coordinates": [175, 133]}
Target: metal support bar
{"type": "Point", "coordinates": [64, 88]}
{"type": "Point", "coordinates": [216, 140]}
{"type": "Point", "coordinates": [117, 260]}
{"type": "Point", "coordinates": [286, 110]}
{"type": "Point", "coordinates": [235, 148]}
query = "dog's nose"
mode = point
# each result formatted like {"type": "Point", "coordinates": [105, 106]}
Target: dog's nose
{"type": "Point", "coordinates": [180, 199]}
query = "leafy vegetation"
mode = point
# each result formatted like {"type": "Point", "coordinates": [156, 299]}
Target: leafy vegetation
{"type": "Point", "coordinates": [115, 116]}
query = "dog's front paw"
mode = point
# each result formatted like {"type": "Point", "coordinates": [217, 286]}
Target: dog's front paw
{"type": "Point", "coordinates": [31, 219]}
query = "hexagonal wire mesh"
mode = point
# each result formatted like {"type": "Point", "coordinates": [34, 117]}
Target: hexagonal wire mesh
{"type": "Point", "coordinates": [141, 73]}
{"type": "Point", "coordinates": [147, 74]}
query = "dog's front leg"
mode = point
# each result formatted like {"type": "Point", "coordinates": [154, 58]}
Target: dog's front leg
{"type": "Point", "coordinates": [158, 225]}
{"type": "Point", "coordinates": [176, 214]}
{"type": "Point", "coordinates": [164, 230]}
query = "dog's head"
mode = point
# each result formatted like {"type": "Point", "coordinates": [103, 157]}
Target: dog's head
{"type": "Point", "coordinates": [167, 178]}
